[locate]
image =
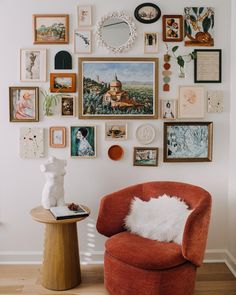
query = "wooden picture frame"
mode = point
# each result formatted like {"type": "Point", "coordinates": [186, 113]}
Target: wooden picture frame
{"type": "Point", "coordinates": [63, 82]}
{"type": "Point", "coordinates": [151, 43]}
{"type": "Point", "coordinates": [172, 28]}
{"type": "Point", "coordinates": [116, 131]}
{"type": "Point", "coordinates": [83, 141]}
{"type": "Point", "coordinates": [188, 141]}
{"type": "Point", "coordinates": [191, 103]}
{"type": "Point", "coordinates": [84, 15]}
{"type": "Point", "coordinates": [42, 32]}
{"type": "Point", "coordinates": [23, 104]}
{"type": "Point", "coordinates": [33, 65]}
{"type": "Point", "coordinates": [68, 106]}
{"type": "Point", "coordinates": [57, 137]}
{"type": "Point", "coordinates": [103, 96]}
{"type": "Point", "coordinates": [147, 13]}
{"type": "Point", "coordinates": [208, 66]}
{"type": "Point", "coordinates": [82, 41]}
{"type": "Point", "coordinates": [145, 156]}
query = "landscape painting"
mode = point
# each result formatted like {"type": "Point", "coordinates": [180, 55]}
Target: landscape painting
{"type": "Point", "coordinates": [118, 88]}
{"type": "Point", "coordinates": [145, 156]}
{"type": "Point", "coordinates": [62, 82]}
{"type": "Point", "coordinates": [188, 141]}
{"type": "Point", "coordinates": [51, 28]}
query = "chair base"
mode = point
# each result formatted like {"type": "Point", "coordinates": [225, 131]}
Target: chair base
{"type": "Point", "coordinates": [123, 279]}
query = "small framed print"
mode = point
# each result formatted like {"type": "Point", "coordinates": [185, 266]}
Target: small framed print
{"type": "Point", "coordinates": [188, 141]}
{"type": "Point", "coordinates": [145, 156]}
{"type": "Point", "coordinates": [84, 15]}
{"type": "Point", "coordinates": [207, 66]}
{"type": "Point", "coordinates": [115, 131]}
{"type": "Point", "coordinates": [168, 109]}
{"type": "Point", "coordinates": [63, 82]}
{"type": "Point", "coordinates": [68, 106]}
{"type": "Point", "coordinates": [57, 137]}
{"type": "Point", "coordinates": [147, 13]}
{"type": "Point", "coordinates": [191, 102]}
{"type": "Point", "coordinates": [82, 41]}
{"type": "Point", "coordinates": [215, 101]}
{"type": "Point", "coordinates": [150, 42]}
{"type": "Point", "coordinates": [83, 141]}
{"type": "Point", "coordinates": [24, 104]}
{"type": "Point", "coordinates": [172, 28]}
{"type": "Point", "coordinates": [51, 28]}
{"type": "Point", "coordinates": [31, 143]}
{"type": "Point", "coordinates": [33, 65]}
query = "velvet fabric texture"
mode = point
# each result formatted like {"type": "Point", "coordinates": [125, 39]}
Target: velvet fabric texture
{"type": "Point", "coordinates": [135, 265]}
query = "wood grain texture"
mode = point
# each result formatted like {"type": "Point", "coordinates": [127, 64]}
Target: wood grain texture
{"type": "Point", "coordinates": [25, 279]}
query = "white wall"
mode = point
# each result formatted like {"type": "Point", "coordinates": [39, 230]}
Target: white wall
{"type": "Point", "coordinates": [87, 180]}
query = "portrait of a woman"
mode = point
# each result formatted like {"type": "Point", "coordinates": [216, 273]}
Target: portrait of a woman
{"type": "Point", "coordinates": [83, 141]}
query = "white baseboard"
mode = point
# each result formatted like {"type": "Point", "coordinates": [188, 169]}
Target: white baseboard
{"type": "Point", "coordinates": [96, 257]}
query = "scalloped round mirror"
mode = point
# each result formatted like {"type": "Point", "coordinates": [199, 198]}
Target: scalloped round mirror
{"type": "Point", "coordinates": [116, 32]}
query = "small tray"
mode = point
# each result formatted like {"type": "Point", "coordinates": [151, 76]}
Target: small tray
{"type": "Point", "coordinates": [115, 152]}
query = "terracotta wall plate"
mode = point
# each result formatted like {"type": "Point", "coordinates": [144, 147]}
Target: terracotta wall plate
{"type": "Point", "coordinates": [115, 152]}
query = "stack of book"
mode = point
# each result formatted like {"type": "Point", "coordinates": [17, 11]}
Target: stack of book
{"type": "Point", "coordinates": [63, 212]}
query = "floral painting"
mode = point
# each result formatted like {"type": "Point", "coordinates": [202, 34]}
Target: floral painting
{"type": "Point", "coordinates": [83, 141]}
{"type": "Point", "coordinates": [118, 88]}
{"type": "Point", "coordinates": [199, 26]}
{"type": "Point", "coordinates": [187, 141]}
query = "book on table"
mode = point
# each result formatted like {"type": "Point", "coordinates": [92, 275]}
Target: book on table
{"type": "Point", "coordinates": [63, 212]}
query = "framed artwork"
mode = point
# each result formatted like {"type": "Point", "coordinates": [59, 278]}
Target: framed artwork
{"type": "Point", "coordinates": [63, 82]}
{"type": "Point", "coordinates": [145, 156]}
{"type": "Point", "coordinates": [84, 15]}
{"type": "Point", "coordinates": [83, 141]}
{"type": "Point", "coordinates": [31, 143]}
{"type": "Point", "coordinates": [147, 13]}
{"type": "Point", "coordinates": [82, 41]}
{"type": "Point", "coordinates": [188, 141]}
{"type": "Point", "coordinates": [68, 106]}
{"type": "Point", "coordinates": [150, 42]}
{"type": "Point", "coordinates": [168, 109]}
{"type": "Point", "coordinates": [215, 101]}
{"type": "Point", "coordinates": [57, 137]}
{"type": "Point", "coordinates": [191, 102]}
{"type": "Point", "coordinates": [172, 28]}
{"type": "Point", "coordinates": [118, 88]}
{"type": "Point", "coordinates": [51, 28]}
{"type": "Point", "coordinates": [207, 66]}
{"type": "Point", "coordinates": [145, 133]}
{"type": "Point", "coordinates": [24, 104]}
{"type": "Point", "coordinates": [199, 26]}
{"type": "Point", "coordinates": [116, 131]}
{"type": "Point", "coordinates": [33, 65]}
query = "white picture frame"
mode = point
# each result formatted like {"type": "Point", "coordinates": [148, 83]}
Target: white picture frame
{"type": "Point", "coordinates": [116, 131]}
{"type": "Point", "coordinates": [84, 15]}
{"type": "Point", "coordinates": [168, 109]}
{"type": "Point", "coordinates": [150, 40]}
{"type": "Point", "coordinates": [82, 41]}
{"type": "Point", "coordinates": [33, 65]}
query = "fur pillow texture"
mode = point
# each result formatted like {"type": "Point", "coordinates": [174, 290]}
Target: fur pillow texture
{"type": "Point", "coordinates": [161, 218]}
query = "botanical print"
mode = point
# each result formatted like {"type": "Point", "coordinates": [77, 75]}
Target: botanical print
{"type": "Point", "coordinates": [51, 29]}
{"type": "Point", "coordinates": [215, 101]}
{"type": "Point", "coordinates": [168, 109]}
{"type": "Point", "coordinates": [199, 25]}
{"type": "Point", "coordinates": [23, 104]}
{"type": "Point", "coordinates": [191, 102]}
{"type": "Point", "coordinates": [145, 156]}
{"type": "Point", "coordinates": [57, 137]}
{"type": "Point", "coordinates": [187, 141]}
{"type": "Point", "coordinates": [118, 88]}
{"type": "Point", "coordinates": [83, 141]}
{"type": "Point", "coordinates": [172, 28]}
{"type": "Point", "coordinates": [84, 15]}
{"type": "Point", "coordinates": [31, 143]}
{"type": "Point", "coordinates": [150, 42]}
{"type": "Point", "coordinates": [115, 131]}
{"type": "Point", "coordinates": [82, 41]}
{"type": "Point", "coordinates": [67, 105]}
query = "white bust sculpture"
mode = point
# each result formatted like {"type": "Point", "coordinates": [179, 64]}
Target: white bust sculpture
{"type": "Point", "coordinates": [53, 191]}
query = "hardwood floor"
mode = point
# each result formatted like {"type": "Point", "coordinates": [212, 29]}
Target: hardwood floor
{"type": "Point", "coordinates": [212, 279]}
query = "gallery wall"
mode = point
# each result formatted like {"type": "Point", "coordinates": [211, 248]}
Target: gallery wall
{"type": "Point", "coordinates": [87, 180]}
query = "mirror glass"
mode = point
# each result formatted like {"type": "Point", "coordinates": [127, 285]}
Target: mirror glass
{"type": "Point", "coordinates": [115, 32]}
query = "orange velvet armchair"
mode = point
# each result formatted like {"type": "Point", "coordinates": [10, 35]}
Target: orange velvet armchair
{"type": "Point", "coordinates": [134, 265]}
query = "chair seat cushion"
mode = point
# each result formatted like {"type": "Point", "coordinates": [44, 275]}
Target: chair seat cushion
{"type": "Point", "coordinates": [144, 253]}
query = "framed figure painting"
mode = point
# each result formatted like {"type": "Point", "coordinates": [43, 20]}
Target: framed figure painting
{"type": "Point", "coordinates": [118, 88]}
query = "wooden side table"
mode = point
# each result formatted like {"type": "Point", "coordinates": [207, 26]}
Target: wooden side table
{"type": "Point", "coordinates": [61, 263]}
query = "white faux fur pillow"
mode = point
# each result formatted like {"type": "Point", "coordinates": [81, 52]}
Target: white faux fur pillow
{"type": "Point", "coordinates": [161, 218]}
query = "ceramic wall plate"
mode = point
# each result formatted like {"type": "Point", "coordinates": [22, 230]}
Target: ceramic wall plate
{"type": "Point", "coordinates": [145, 133]}
{"type": "Point", "coordinates": [115, 152]}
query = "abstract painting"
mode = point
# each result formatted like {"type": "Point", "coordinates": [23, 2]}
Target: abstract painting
{"type": "Point", "coordinates": [31, 143]}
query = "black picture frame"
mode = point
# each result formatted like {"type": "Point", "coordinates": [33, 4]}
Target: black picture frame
{"type": "Point", "coordinates": [143, 20]}
{"type": "Point", "coordinates": [202, 62]}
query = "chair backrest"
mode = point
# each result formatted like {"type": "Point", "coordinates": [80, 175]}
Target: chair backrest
{"type": "Point", "coordinates": [115, 206]}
